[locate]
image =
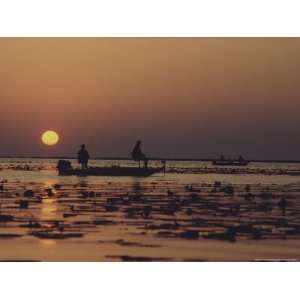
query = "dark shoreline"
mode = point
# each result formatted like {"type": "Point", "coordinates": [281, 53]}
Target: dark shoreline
{"type": "Point", "coordinates": [151, 158]}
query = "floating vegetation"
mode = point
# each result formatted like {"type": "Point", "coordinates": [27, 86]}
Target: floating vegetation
{"type": "Point", "coordinates": [56, 235]}
{"type": "Point", "coordinates": [9, 235]}
{"type": "Point", "coordinates": [136, 216]}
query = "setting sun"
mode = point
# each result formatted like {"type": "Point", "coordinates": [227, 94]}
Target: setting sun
{"type": "Point", "coordinates": [50, 138]}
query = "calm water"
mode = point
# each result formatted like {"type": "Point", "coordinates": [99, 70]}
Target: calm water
{"type": "Point", "coordinates": [154, 218]}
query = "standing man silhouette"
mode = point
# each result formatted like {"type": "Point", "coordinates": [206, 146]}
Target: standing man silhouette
{"type": "Point", "coordinates": [83, 157]}
{"type": "Point", "coordinates": [138, 155]}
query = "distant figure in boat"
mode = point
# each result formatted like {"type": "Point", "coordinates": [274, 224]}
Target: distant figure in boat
{"type": "Point", "coordinates": [222, 161]}
{"type": "Point", "coordinates": [138, 155]}
{"type": "Point", "coordinates": [83, 157]}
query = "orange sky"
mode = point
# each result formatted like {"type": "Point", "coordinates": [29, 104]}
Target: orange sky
{"type": "Point", "coordinates": [184, 97]}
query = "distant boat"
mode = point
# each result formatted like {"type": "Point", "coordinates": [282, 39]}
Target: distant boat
{"type": "Point", "coordinates": [225, 162]}
{"type": "Point", "coordinates": [65, 169]}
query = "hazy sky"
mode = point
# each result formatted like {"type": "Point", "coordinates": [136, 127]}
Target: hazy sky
{"type": "Point", "coordinates": [183, 97]}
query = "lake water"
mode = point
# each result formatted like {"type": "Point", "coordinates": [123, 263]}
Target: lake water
{"type": "Point", "coordinates": [180, 215]}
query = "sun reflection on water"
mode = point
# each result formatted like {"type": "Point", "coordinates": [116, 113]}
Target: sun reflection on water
{"type": "Point", "coordinates": [47, 242]}
{"type": "Point", "coordinates": [49, 208]}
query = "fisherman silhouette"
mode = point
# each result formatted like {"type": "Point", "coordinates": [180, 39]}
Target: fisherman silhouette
{"type": "Point", "coordinates": [83, 157]}
{"type": "Point", "coordinates": [241, 158]}
{"type": "Point", "coordinates": [138, 155]}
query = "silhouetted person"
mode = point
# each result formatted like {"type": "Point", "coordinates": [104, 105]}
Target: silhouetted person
{"type": "Point", "coordinates": [83, 157]}
{"type": "Point", "coordinates": [138, 155]}
{"type": "Point", "coordinates": [241, 158]}
{"type": "Point", "coordinates": [222, 157]}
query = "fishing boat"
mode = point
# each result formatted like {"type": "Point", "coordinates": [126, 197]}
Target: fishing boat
{"type": "Point", "coordinates": [223, 162]}
{"type": "Point", "coordinates": [65, 169]}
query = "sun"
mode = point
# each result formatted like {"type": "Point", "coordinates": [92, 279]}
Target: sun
{"type": "Point", "coordinates": [50, 138]}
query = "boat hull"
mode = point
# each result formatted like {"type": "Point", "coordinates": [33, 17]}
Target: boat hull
{"type": "Point", "coordinates": [229, 163]}
{"type": "Point", "coordinates": [111, 171]}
